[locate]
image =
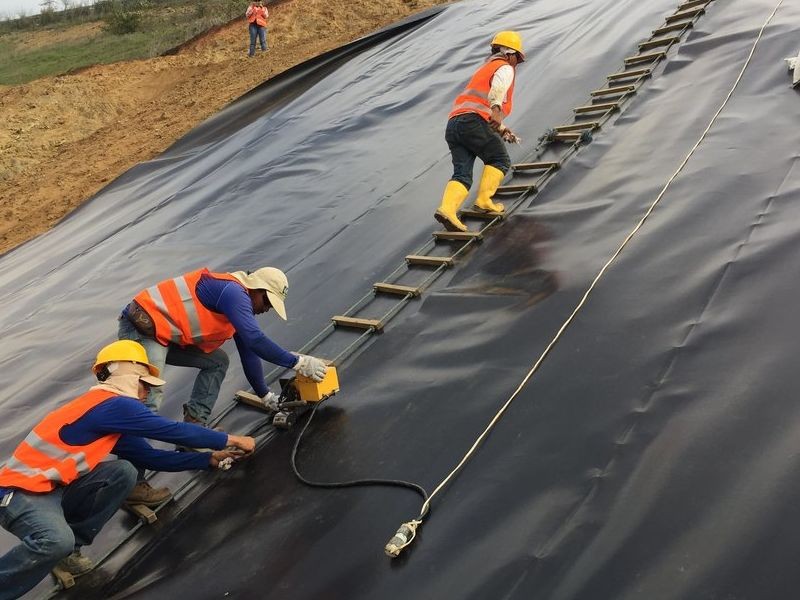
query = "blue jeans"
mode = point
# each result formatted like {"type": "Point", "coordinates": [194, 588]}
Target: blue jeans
{"type": "Point", "coordinates": [261, 32]}
{"type": "Point", "coordinates": [212, 365]}
{"type": "Point", "coordinates": [52, 525]}
{"type": "Point", "coordinates": [470, 136]}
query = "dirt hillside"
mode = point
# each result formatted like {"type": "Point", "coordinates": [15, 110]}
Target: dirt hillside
{"type": "Point", "coordinates": [63, 138]}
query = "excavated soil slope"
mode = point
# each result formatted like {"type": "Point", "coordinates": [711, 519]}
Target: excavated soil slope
{"type": "Point", "coordinates": [65, 137]}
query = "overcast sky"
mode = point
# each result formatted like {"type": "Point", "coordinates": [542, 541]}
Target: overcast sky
{"type": "Point", "coordinates": [12, 8]}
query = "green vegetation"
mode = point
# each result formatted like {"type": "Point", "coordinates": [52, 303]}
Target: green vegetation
{"type": "Point", "coordinates": [130, 29]}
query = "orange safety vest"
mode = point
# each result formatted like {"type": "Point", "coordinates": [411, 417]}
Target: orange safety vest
{"type": "Point", "coordinates": [475, 97]}
{"type": "Point", "coordinates": [42, 460]}
{"type": "Point", "coordinates": [179, 316]}
{"type": "Point", "coordinates": [258, 16]}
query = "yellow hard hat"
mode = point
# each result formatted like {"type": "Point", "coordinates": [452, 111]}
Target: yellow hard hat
{"type": "Point", "coordinates": [509, 39]}
{"type": "Point", "coordinates": [124, 350]}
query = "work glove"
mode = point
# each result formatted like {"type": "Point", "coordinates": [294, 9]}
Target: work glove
{"type": "Point", "coordinates": [509, 136]}
{"type": "Point", "coordinates": [313, 368]}
{"type": "Point", "coordinates": [224, 459]}
{"type": "Point", "coordinates": [270, 400]}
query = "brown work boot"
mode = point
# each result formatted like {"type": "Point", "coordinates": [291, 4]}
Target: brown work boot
{"type": "Point", "coordinates": [190, 418]}
{"type": "Point", "coordinates": [146, 494]}
{"type": "Point", "coordinates": [76, 564]}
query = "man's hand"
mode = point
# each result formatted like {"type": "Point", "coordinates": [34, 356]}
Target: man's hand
{"type": "Point", "coordinates": [509, 136]}
{"type": "Point", "coordinates": [243, 442]}
{"type": "Point", "coordinates": [313, 368]}
{"type": "Point", "coordinates": [496, 118]}
{"type": "Point", "coordinates": [223, 459]}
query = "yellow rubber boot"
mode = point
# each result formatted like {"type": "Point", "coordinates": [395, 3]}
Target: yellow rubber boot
{"type": "Point", "coordinates": [490, 181]}
{"type": "Point", "coordinates": [447, 214]}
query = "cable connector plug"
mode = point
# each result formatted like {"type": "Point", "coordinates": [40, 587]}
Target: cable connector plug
{"type": "Point", "coordinates": [404, 536]}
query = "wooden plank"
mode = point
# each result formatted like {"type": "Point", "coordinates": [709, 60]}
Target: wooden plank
{"type": "Point", "coordinates": [693, 4]}
{"type": "Point", "coordinates": [458, 236]}
{"type": "Point", "coordinates": [251, 400]}
{"type": "Point", "coordinates": [591, 125]}
{"type": "Point", "coordinates": [634, 74]}
{"type": "Point", "coordinates": [357, 323]}
{"type": "Point", "coordinates": [667, 41]}
{"type": "Point", "coordinates": [536, 166]}
{"type": "Point", "coordinates": [640, 58]}
{"type": "Point", "coordinates": [515, 188]}
{"type": "Point", "coordinates": [144, 513]}
{"type": "Point", "coordinates": [599, 107]}
{"type": "Point", "coordinates": [429, 261]}
{"type": "Point", "coordinates": [685, 14]}
{"type": "Point", "coordinates": [400, 290]}
{"type": "Point", "coordinates": [567, 137]}
{"type": "Point", "coordinates": [480, 214]}
{"type": "Point", "coordinates": [614, 91]}
{"type": "Point", "coordinates": [674, 27]}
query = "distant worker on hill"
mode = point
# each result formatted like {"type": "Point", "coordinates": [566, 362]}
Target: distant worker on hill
{"type": "Point", "coordinates": [257, 15]}
{"type": "Point", "coordinates": [475, 129]}
{"type": "Point", "coordinates": [59, 489]}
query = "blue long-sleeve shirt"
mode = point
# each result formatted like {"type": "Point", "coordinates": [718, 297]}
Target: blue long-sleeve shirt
{"type": "Point", "coordinates": [131, 418]}
{"type": "Point", "coordinates": [233, 301]}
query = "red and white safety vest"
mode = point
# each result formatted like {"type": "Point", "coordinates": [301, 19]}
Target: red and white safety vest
{"type": "Point", "coordinates": [179, 316]}
{"type": "Point", "coordinates": [475, 97]}
{"type": "Point", "coordinates": [42, 460]}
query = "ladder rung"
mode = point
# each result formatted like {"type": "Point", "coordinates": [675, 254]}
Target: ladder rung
{"type": "Point", "coordinates": [592, 108]}
{"type": "Point", "coordinates": [667, 41]}
{"type": "Point", "coordinates": [251, 400]}
{"type": "Point", "coordinates": [536, 166]}
{"type": "Point", "coordinates": [614, 91]}
{"type": "Point", "coordinates": [640, 58]}
{"type": "Point", "coordinates": [692, 4]}
{"type": "Point", "coordinates": [357, 323]}
{"type": "Point", "coordinates": [480, 214]}
{"type": "Point", "coordinates": [634, 74]}
{"type": "Point", "coordinates": [515, 188]}
{"type": "Point", "coordinates": [458, 236]}
{"type": "Point", "coordinates": [431, 261]}
{"type": "Point", "coordinates": [400, 290]}
{"type": "Point", "coordinates": [674, 27]}
{"type": "Point", "coordinates": [591, 125]}
{"type": "Point", "coordinates": [567, 137]}
{"type": "Point", "coordinates": [685, 14]}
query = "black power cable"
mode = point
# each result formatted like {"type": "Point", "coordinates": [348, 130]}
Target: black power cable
{"type": "Point", "coordinates": [355, 482]}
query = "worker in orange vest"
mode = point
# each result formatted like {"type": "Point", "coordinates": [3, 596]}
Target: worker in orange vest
{"type": "Point", "coordinates": [475, 129]}
{"type": "Point", "coordinates": [58, 489]}
{"type": "Point", "coordinates": [185, 320]}
{"type": "Point", "coordinates": [256, 15]}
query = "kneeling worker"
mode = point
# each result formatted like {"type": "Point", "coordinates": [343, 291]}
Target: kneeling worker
{"type": "Point", "coordinates": [184, 321]}
{"type": "Point", "coordinates": [57, 491]}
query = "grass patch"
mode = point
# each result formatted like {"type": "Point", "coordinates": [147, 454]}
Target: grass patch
{"type": "Point", "coordinates": [158, 27]}
{"type": "Point", "coordinates": [20, 66]}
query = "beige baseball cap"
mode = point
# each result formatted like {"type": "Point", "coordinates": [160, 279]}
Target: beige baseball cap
{"type": "Point", "coordinates": [271, 280]}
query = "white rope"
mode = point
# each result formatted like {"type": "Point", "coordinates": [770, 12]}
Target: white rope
{"type": "Point", "coordinates": [597, 278]}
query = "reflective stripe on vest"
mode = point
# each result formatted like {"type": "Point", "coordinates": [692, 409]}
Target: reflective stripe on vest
{"type": "Point", "coordinates": [475, 97]}
{"type": "Point", "coordinates": [179, 316]}
{"type": "Point", "coordinates": [42, 460]}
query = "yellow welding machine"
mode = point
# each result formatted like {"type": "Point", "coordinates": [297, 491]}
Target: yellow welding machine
{"type": "Point", "coordinates": [313, 391]}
